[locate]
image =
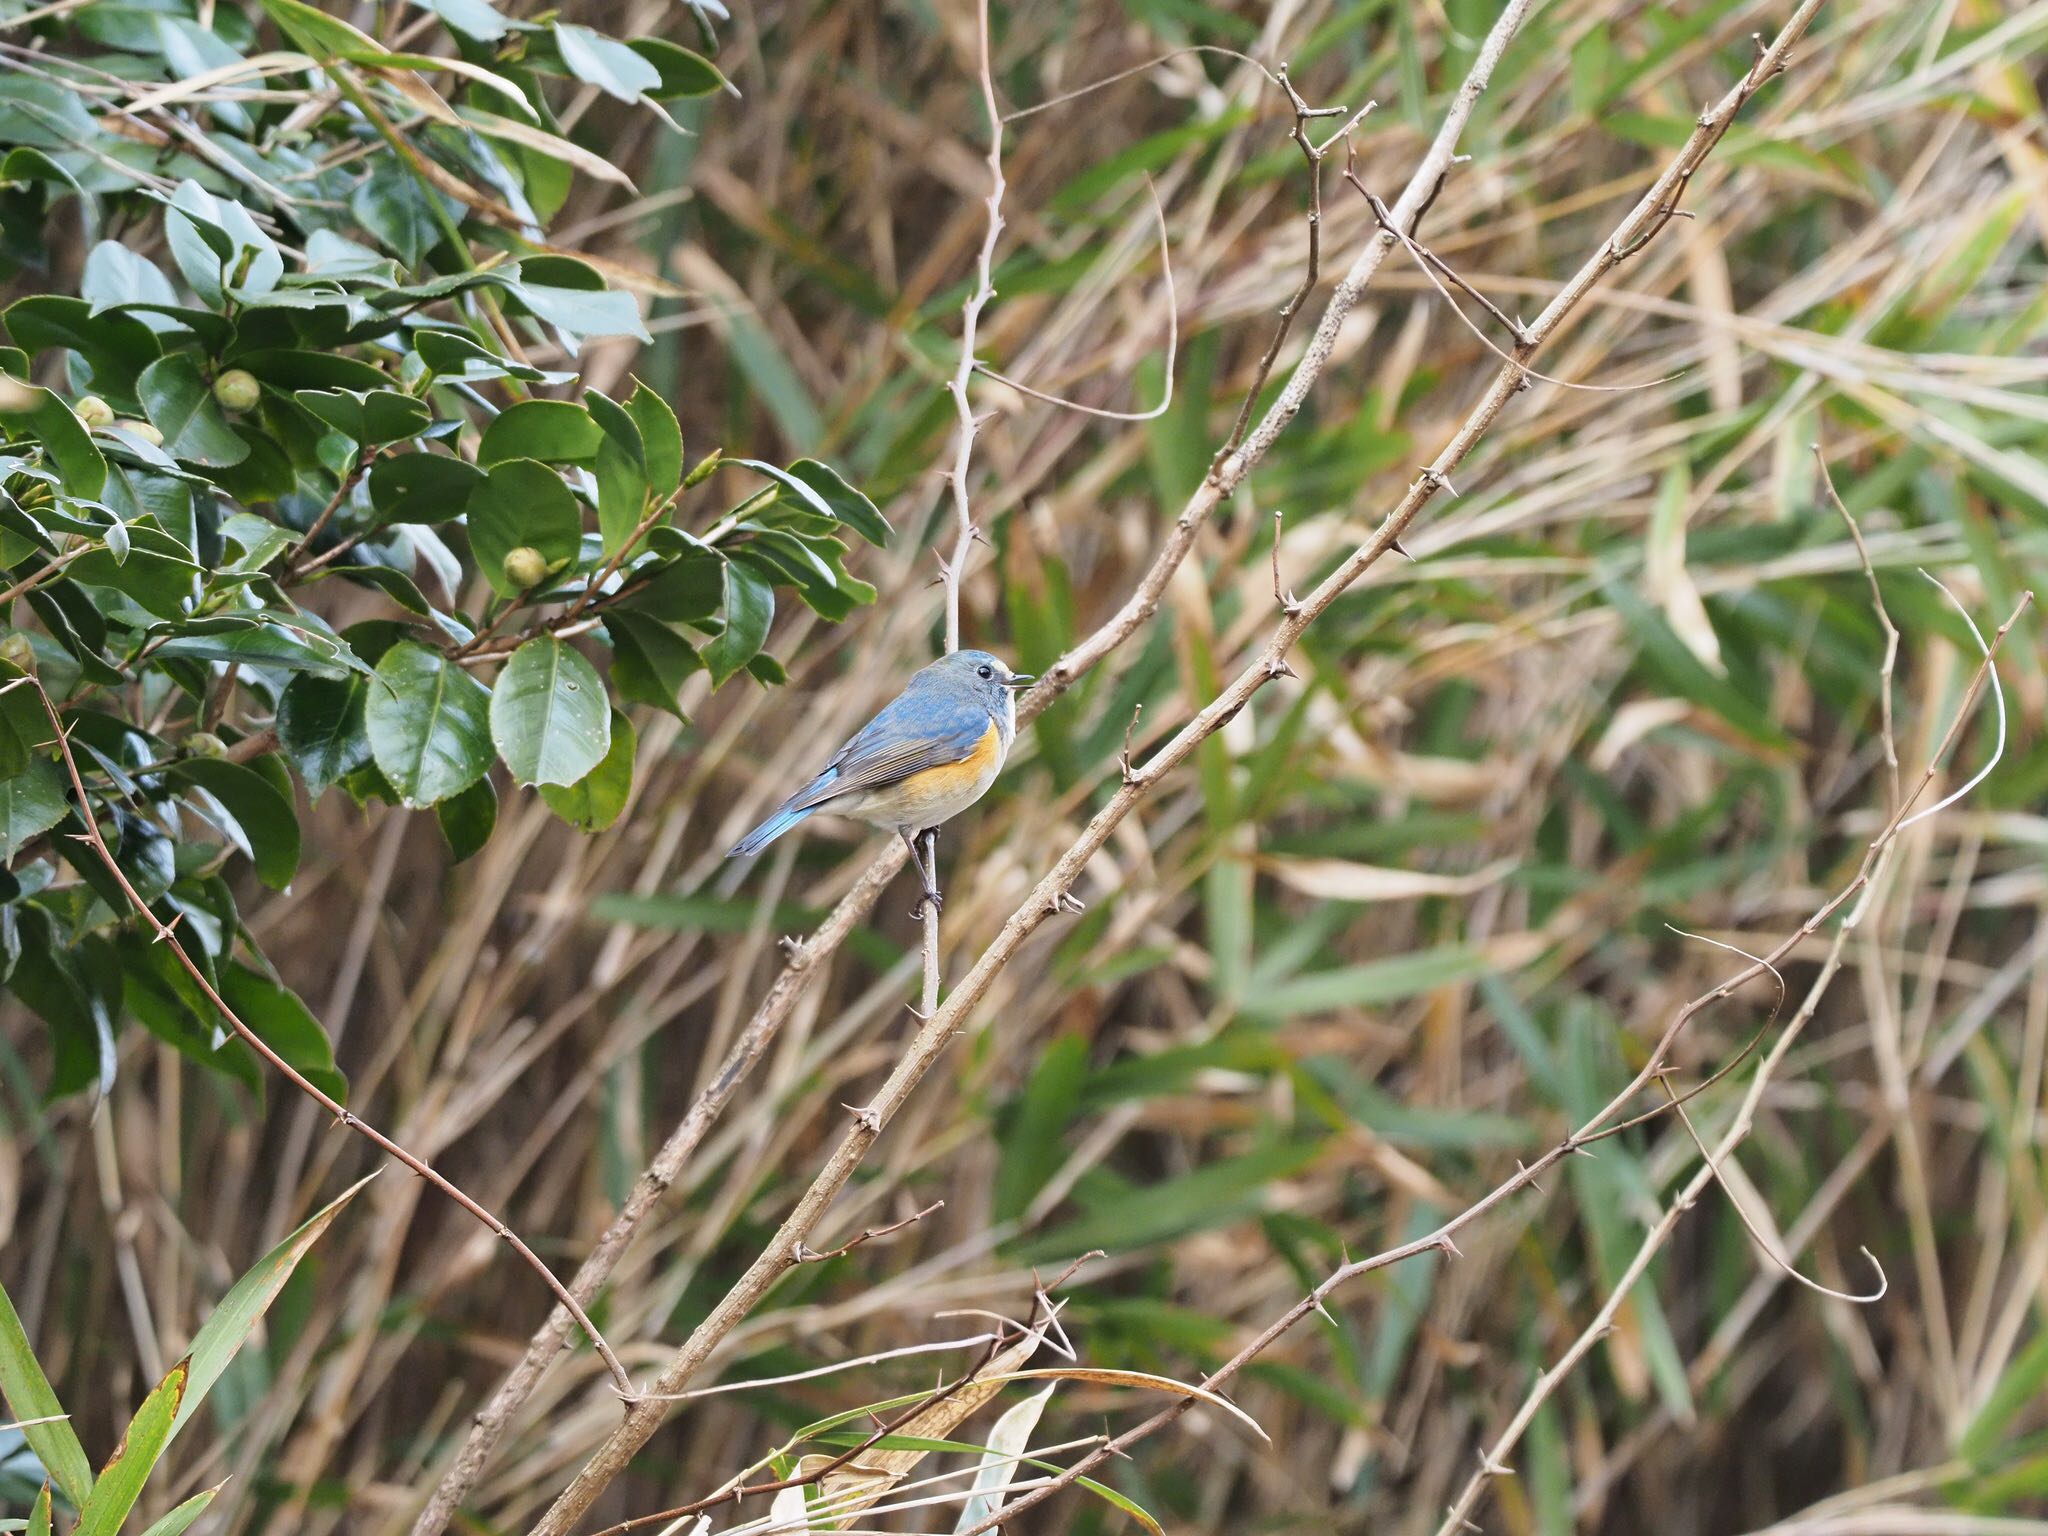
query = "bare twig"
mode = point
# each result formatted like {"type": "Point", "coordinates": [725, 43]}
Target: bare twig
{"type": "Point", "coordinates": [1172, 344]}
{"type": "Point", "coordinates": [812, 1256]}
{"type": "Point", "coordinates": [1313, 154]}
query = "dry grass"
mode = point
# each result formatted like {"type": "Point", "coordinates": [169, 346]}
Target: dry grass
{"type": "Point", "coordinates": [1400, 924]}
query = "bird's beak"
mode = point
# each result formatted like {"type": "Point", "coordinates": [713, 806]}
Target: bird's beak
{"type": "Point", "coordinates": [1020, 680]}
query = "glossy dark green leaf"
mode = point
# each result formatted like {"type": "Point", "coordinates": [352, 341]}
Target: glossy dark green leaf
{"type": "Point", "coordinates": [684, 590]}
{"type": "Point", "coordinates": [286, 1025]}
{"type": "Point", "coordinates": [621, 493]}
{"type": "Point", "coordinates": [370, 417]}
{"type": "Point", "coordinates": [467, 819]}
{"type": "Point", "coordinates": [320, 723]}
{"type": "Point", "coordinates": [683, 72]}
{"type": "Point", "coordinates": [267, 823]}
{"type": "Point", "coordinates": [661, 439]}
{"type": "Point", "coordinates": [179, 403]}
{"type": "Point", "coordinates": [549, 717]}
{"type": "Point", "coordinates": [554, 431]}
{"type": "Point", "coordinates": [522, 504]}
{"type": "Point", "coordinates": [749, 609]}
{"type": "Point", "coordinates": [268, 643]}
{"type": "Point", "coordinates": [62, 435]}
{"type": "Point", "coordinates": [596, 800]}
{"type": "Point", "coordinates": [116, 346]}
{"type": "Point", "coordinates": [819, 488]}
{"type": "Point", "coordinates": [31, 803]}
{"type": "Point", "coordinates": [157, 571]}
{"type": "Point", "coordinates": [428, 723]}
{"type": "Point", "coordinates": [650, 661]}
{"type": "Point", "coordinates": [451, 354]}
{"type": "Point", "coordinates": [422, 487]}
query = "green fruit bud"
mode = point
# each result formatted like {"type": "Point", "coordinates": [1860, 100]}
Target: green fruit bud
{"type": "Point", "coordinates": [94, 412]}
{"type": "Point", "coordinates": [237, 389]}
{"type": "Point", "coordinates": [701, 471]}
{"type": "Point", "coordinates": [526, 567]}
{"type": "Point", "coordinates": [143, 431]}
{"type": "Point", "coordinates": [17, 652]}
{"type": "Point", "coordinates": [205, 744]}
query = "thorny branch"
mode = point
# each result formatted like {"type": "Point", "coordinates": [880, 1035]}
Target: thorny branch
{"type": "Point", "coordinates": [1313, 154]}
{"type": "Point", "coordinates": [923, 1049]}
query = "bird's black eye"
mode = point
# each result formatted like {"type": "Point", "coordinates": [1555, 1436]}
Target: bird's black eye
{"type": "Point", "coordinates": [988, 672]}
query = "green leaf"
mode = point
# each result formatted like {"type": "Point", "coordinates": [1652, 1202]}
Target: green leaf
{"type": "Point", "coordinates": [749, 610]}
{"type": "Point", "coordinates": [174, 1523]}
{"type": "Point", "coordinates": [422, 487]}
{"type": "Point", "coordinates": [549, 717]}
{"type": "Point", "coordinates": [267, 826]}
{"type": "Point", "coordinates": [63, 436]}
{"type": "Point", "coordinates": [661, 439]}
{"type": "Point", "coordinates": [267, 643]}
{"type": "Point", "coordinates": [1371, 983]}
{"type": "Point", "coordinates": [234, 1317]}
{"type": "Point", "coordinates": [611, 66]}
{"type": "Point", "coordinates": [451, 354]}
{"type": "Point", "coordinates": [31, 803]}
{"type": "Point", "coordinates": [326, 38]}
{"type": "Point", "coordinates": [286, 1025]}
{"type": "Point", "coordinates": [29, 1396]}
{"type": "Point", "coordinates": [320, 723]}
{"type": "Point", "coordinates": [468, 819]}
{"type": "Point", "coordinates": [649, 660]}
{"type": "Point", "coordinates": [180, 405]}
{"type": "Point", "coordinates": [683, 73]}
{"type": "Point", "coordinates": [428, 723]}
{"type": "Point", "coordinates": [38, 1523]}
{"type": "Point", "coordinates": [595, 801]}
{"type": "Point", "coordinates": [369, 417]}
{"type": "Point", "coordinates": [821, 490]}
{"type": "Point", "coordinates": [621, 493]}
{"type": "Point", "coordinates": [554, 431]}
{"type": "Point", "coordinates": [522, 503]}
{"type": "Point", "coordinates": [845, 503]}
{"type": "Point", "coordinates": [120, 1481]}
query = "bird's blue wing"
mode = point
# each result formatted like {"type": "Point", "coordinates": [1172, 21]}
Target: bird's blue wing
{"type": "Point", "coordinates": [914, 732]}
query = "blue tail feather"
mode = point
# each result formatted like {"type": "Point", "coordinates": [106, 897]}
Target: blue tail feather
{"type": "Point", "coordinates": [768, 831]}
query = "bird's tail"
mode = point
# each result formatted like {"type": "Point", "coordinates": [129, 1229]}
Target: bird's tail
{"type": "Point", "coordinates": [768, 831]}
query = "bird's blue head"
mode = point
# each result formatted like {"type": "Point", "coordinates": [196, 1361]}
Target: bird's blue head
{"type": "Point", "coordinates": [987, 678]}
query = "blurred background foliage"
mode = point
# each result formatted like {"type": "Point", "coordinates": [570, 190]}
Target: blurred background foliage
{"type": "Point", "coordinates": [1406, 920]}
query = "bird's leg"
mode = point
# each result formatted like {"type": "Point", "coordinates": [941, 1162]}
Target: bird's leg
{"type": "Point", "coordinates": [925, 872]}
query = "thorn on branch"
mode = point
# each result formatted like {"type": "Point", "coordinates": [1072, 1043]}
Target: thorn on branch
{"type": "Point", "coordinates": [868, 1119]}
{"type": "Point", "coordinates": [1287, 602]}
{"type": "Point", "coordinates": [1124, 757]}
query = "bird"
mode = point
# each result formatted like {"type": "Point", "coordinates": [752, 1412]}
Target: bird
{"type": "Point", "coordinates": [927, 755]}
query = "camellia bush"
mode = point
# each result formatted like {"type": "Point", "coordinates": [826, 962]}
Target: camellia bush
{"type": "Point", "coordinates": [287, 508]}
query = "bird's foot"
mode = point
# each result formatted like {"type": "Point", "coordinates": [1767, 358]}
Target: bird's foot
{"type": "Point", "coordinates": [931, 898]}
